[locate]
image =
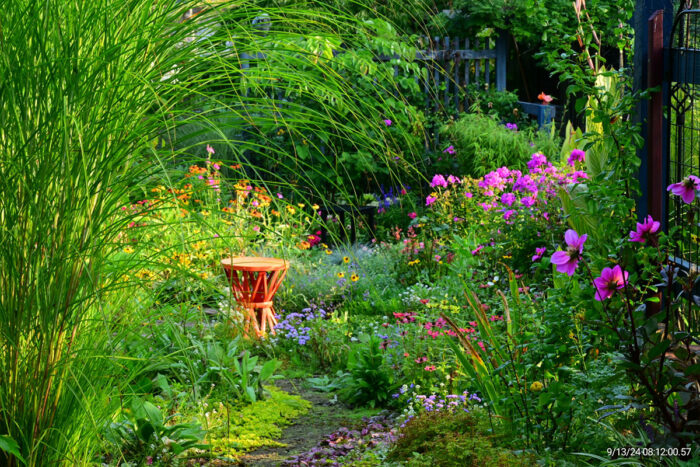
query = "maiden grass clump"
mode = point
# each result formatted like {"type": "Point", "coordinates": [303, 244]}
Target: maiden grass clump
{"type": "Point", "coordinates": [92, 95]}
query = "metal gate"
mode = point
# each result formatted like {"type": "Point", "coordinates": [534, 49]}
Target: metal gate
{"type": "Point", "coordinates": [683, 134]}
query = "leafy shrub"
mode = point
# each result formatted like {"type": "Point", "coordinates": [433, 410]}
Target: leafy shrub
{"type": "Point", "coordinates": [481, 144]}
{"type": "Point", "coordinates": [369, 380]}
{"type": "Point", "coordinates": [445, 439]}
{"type": "Point", "coordinates": [144, 434]}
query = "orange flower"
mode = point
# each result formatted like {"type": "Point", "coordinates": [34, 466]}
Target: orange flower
{"type": "Point", "coordinates": [255, 213]}
{"type": "Point", "coordinates": [304, 245]}
{"type": "Point", "coordinates": [545, 98]}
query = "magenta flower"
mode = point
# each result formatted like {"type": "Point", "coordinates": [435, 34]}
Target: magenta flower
{"type": "Point", "coordinates": [576, 155]}
{"type": "Point", "coordinates": [279, 195]}
{"type": "Point", "coordinates": [539, 252]}
{"type": "Point", "coordinates": [567, 260]}
{"type": "Point", "coordinates": [387, 122]}
{"type": "Point", "coordinates": [512, 126]}
{"type": "Point", "coordinates": [450, 150]}
{"type": "Point", "coordinates": [644, 230]}
{"type": "Point", "coordinates": [430, 200]}
{"type": "Point", "coordinates": [537, 160]}
{"type": "Point", "coordinates": [438, 180]}
{"type": "Point", "coordinates": [477, 250]}
{"type": "Point", "coordinates": [467, 194]}
{"type": "Point", "coordinates": [686, 188]}
{"type": "Point", "coordinates": [412, 215]}
{"type": "Point", "coordinates": [609, 281]}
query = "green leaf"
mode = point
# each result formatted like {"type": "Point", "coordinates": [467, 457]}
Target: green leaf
{"type": "Point", "coordinates": [250, 392]}
{"type": "Point", "coordinates": [268, 369]}
{"type": "Point", "coordinates": [658, 349]}
{"type": "Point", "coordinates": [10, 446]}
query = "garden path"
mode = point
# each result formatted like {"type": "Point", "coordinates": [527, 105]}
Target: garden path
{"type": "Point", "coordinates": [325, 416]}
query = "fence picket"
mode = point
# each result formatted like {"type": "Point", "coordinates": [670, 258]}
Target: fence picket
{"type": "Point", "coordinates": [456, 63]}
{"type": "Point", "coordinates": [477, 67]}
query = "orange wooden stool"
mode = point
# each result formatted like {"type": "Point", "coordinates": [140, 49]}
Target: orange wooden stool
{"type": "Point", "coordinates": [254, 282]}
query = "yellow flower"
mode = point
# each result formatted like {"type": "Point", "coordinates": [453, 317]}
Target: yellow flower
{"type": "Point", "coordinates": [315, 207]}
{"type": "Point", "coordinates": [291, 209]}
{"type": "Point", "coordinates": [536, 386]}
{"type": "Point", "coordinates": [346, 259]}
{"type": "Point", "coordinates": [301, 205]}
{"type": "Point", "coordinates": [341, 274]}
{"type": "Point", "coordinates": [329, 252]}
{"type": "Point", "coordinates": [128, 249]}
{"type": "Point", "coordinates": [354, 277]}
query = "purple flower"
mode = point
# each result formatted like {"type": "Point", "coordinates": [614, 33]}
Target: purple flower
{"type": "Point", "coordinates": [438, 180]}
{"type": "Point", "coordinates": [644, 230]}
{"type": "Point", "coordinates": [508, 214]}
{"type": "Point", "coordinates": [450, 150]}
{"type": "Point", "coordinates": [576, 155]}
{"type": "Point", "coordinates": [686, 188]}
{"type": "Point", "coordinates": [508, 199]}
{"type": "Point", "coordinates": [387, 122]}
{"type": "Point", "coordinates": [430, 200]}
{"type": "Point", "coordinates": [537, 160]}
{"type": "Point", "coordinates": [567, 260]}
{"type": "Point", "coordinates": [528, 201]}
{"type": "Point", "coordinates": [609, 281]}
{"type": "Point", "coordinates": [539, 252]}
{"type": "Point", "coordinates": [512, 126]}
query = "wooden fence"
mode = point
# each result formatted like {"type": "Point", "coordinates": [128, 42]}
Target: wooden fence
{"type": "Point", "coordinates": [452, 64]}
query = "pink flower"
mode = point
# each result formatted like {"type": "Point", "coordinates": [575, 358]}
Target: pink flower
{"type": "Point", "coordinates": [279, 195]}
{"type": "Point", "coordinates": [210, 149]}
{"type": "Point", "coordinates": [412, 215]}
{"type": "Point", "coordinates": [477, 250]}
{"type": "Point", "coordinates": [538, 253]}
{"type": "Point", "coordinates": [467, 194]}
{"type": "Point", "coordinates": [576, 155]}
{"type": "Point", "coordinates": [387, 122]}
{"type": "Point", "coordinates": [438, 180]}
{"type": "Point", "coordinates": [609, 281]}
{"type": "Point", "coordinates": [545, 98]}
{"type": "Point", "coordinates": [430, 200]}
{"type": "Point", "coordinates": [567, 260]}
{"type": "Point", "coordinates": [421, 359]}
{"type": "Point", "coordinates": [644, 230]}
{"type": "Point", "coordinates": [450, 150]}
{"type": "Point", "coordinates": [429, 368]}
{"type": "Point", "coordinates": [686, 188]}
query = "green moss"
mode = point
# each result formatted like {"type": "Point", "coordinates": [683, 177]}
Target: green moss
{"type": "Point", "coordinates": [233, 432]}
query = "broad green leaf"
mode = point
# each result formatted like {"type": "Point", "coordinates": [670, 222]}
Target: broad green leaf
{"type": "Point", "coordinates": [10, 446]}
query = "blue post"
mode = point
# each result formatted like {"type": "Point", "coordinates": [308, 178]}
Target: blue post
{"type": "Point", "coordinates": [501, 59]}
